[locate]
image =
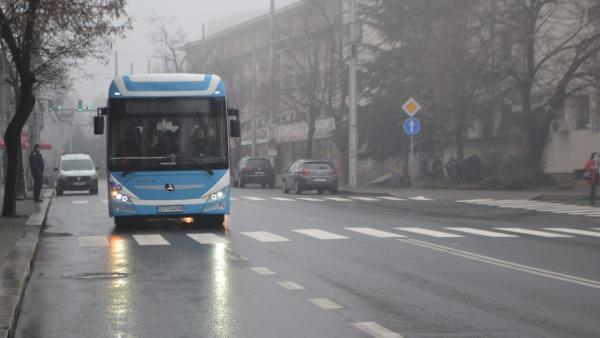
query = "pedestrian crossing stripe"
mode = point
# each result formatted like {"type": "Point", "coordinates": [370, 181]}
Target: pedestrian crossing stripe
{"type": "Point", "coordinates": [150, 240]}
{"type": "Point", "coordinates": [252, 198]}
{"type": "Point", "coordinates": [311, 199]}
{"type": "Point", "coordinates": [375, 232]}
{"type": "Point", "coordinates": [389, 198]}
{"type": "Point", "coordinates": [265, 236]}
{"type": "Point", "coordinates": [576, 231]}
{"type": "Point", "coordinates": [282, 199]}
{"type": "Point", "coordinates": [420, 198]}
{"type": "Point", "coordinates": [534, 232]}
{"type": "Point", "coordinates": [485, 233]}
{"type": "Point", "coordinates": [429, 232]}
{"type": "Point", "coordinates": [233, 198]}
{"type": "Point", "coordinates": [320, 234]}
{"type": "Point", "coordinates": [208, 238]}
{"type": "Point", "coordinates": [557, 208]}
{"type": "Point", "coordinates": [367, 199]}
{"type": "Point", "coordinates": [80, 202]}
{"type": "Point", "coordinates": [338, 199]}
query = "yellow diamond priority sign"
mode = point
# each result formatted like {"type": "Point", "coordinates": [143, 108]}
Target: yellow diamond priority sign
{"type": "Point", "coordinates": [411, 107]}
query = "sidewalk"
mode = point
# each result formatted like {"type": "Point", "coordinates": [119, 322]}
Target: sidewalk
{"type": "Point", "coordinates": [18, 242]}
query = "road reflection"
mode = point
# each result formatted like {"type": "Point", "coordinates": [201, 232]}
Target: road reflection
{"type": "Point", "coordinates": [220, 303]}
{"type": "Point", "coordinates": [119, 295]}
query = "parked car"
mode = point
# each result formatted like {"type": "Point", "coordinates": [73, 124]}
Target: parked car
{"type": "Point", "coordinates": [305, 175]}
{"type": "Point", "coordinates": [254, 171]}
{"type": "Point", "coordinates": [76, 172]}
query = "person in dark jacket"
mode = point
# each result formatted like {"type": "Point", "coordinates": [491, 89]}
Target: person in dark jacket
{"type": "Point", "coordinates": [36, 164]}
{"type": "Point", "coordinates": [592, 173]}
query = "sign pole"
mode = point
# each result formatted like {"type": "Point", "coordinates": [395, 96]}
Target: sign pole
{"type": "Point", "coordinates": [411, 126]}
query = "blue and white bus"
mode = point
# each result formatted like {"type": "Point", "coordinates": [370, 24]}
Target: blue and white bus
{"type": "Point", "coordinates": [168, 147]}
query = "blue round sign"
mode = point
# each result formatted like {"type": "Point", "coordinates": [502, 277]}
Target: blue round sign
{"type": "Point", "coordinates": [412, 126]}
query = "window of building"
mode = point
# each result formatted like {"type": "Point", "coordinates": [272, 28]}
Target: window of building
{"type": "Point", "coordinates": [582, 111]}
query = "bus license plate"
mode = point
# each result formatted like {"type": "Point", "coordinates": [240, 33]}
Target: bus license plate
{"type": "Point", "coordinates": [170, 208]}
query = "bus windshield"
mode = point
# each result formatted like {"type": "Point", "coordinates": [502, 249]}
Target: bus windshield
{"type": "Point", "coordinates": [167, 134]}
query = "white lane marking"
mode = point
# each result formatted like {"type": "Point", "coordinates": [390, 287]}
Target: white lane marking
{"type": "Point", "coordinates": [252, 198]}
{"type": "Point", "coordinates": [313, 219]}
{"type": "Point", "coordinates": [420, 198]}
{"type": "Point", "coordinates": [150, 240]}
{"type": "Point", "coordinates": [289, 285]}
{"type": "Point", "coordinates": [485, 233]}
{"type": "Point", "coordinates": [391, 198]}
{"type": "Point", "coordinates": [375, 232]}
{"type": "Point", "coordinates": [325, 303]}
{"type": "Point", "coordinates": [93, 241]}
{"type": "Point", "coordinates": [428, 232]}
{"type": "Point", "coordinates": [375, 330]}
{"type": "Point", "coordinates": [579, 212]}
{"type": "Point", "coordinates": [319, 234]}
{"type": "Point", "coordinates": [263, 270]}
{"type": "Point", "coordinates": [80, 202]}
{"type": "Point", "coordinates": [265, 236]}
{"type": "Point", "coordinates": [208, 238]}
{"type": "Point", "coordinates": [474, 201]}
{"type": "Point", "coordinates": [233, 198]}
{"type": "Point", "coordinates": [575, 231]}
{"type": "Point", "coordinates": [596, 228]}
{"type": "Point", "coordinates": [338, 199]}
{"type": "Point", "coordinates": [534, 232]}
{"type": "Point", "coordinates": [505, 264]}
{"type": "Point", "coordinates": [310, 199]}
{"type": "Point", "coordinates": [283, 199]}
{"type": "Point", "coordinates": [367, 199]}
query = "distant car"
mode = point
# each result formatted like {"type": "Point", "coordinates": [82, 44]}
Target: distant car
{"type": "Point", "coordinates": [76, 172]}
{"type": "Point", "coordinates": [254, 171]}
{"type": "Point", "coordinates": [310, 175]}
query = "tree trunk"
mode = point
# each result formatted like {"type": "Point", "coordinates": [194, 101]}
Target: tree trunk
{"type": "Point", "coordinates": [460, 143]}
{"type": "Point", "coordinates": [12, 138]}
{"type": "Point", "coordinates": [310, 138]}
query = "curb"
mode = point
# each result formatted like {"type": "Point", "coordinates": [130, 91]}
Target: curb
{"type": "Point", "coordinates": [15, 272]}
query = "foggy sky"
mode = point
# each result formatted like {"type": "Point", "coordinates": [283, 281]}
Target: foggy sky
{"type": "Point", "coordinates": [136, 48]}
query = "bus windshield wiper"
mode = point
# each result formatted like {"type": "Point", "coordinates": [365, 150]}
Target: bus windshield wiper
{"type": "Point", "coordinates": [202, 166]}
{"type": "Point", "coordinates": [136, 168]}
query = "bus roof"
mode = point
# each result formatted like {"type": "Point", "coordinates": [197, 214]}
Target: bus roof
{"type": "Point", "coordinates": [166, 85]}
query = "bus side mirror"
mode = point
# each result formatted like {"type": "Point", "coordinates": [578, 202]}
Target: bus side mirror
{"type": "Point", "coordinates": [234, 126]}
{"type": "Point", "coordinates": [98, 125]}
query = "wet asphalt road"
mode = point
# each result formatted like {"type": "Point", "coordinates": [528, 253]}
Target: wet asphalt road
{"type": "Point", "coordinates": [289, 267]}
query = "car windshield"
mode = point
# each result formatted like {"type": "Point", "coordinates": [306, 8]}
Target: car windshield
{"type": "Point", "coordinates": [258, 163]}
{"type": "Point", "coordinates": [80, 164]}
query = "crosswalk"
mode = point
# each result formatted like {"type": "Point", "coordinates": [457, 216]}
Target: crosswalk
{"type": "Point", "coordinates": [556, 208]}
{"type": "Point", "coordinates": [350, 233]}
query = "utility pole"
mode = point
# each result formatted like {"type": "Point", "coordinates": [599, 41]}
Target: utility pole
{"type": "Point", "coordinates": [204, 58]}
{"type": "Point", "coordinates": [272, 78]}
{"type": "Point", "coordinates": [116, 64]}
{"type": "Point", "coordinates": [254, 73]}
{"type": "Point", "coordinates": [353, 130]}
{"type": "Point", "coordinates": [149, 71]}
{"type": "Point", "coordinates": [131, 67]}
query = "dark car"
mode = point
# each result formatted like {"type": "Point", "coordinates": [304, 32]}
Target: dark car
{"type": "Point", "coordinates": [305, 175]}
{"type": "Point", "coordinates": [254, 171]}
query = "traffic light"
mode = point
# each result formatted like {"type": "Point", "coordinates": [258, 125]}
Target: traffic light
{"type": "Point", "coordinates": [79, 105]}
{"type": "Point", "coordinates": [50, 105]}
{"type": "Point", "coordinates": [59, 107]}
{"type": "Point", "coordinates": [89, 107]}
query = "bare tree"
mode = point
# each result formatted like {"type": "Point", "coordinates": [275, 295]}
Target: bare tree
{"type": "Point", "coordinates": [169, 44]}
{"type": "Point", "coordinates": [308, 73]}
{"type": "Point", "coordinates": [39, 35]}
{"type": "Point", "coordinates": [553, 42]}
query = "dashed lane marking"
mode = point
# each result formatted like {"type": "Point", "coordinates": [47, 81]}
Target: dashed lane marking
{"type": "Point", "coordinates": [265, 236]}
{"type": "Point", "coordinates": [534, 232]}
{"type": "Point", "coordinates": [320, 234]}
{"type": "Point", "coordinates": [485, 233]}
{"type": "Point", "coordinates": [150, 240]}
{"type": "Point", "coordinates": [93, 241]}
{"type": "Point", "coordinates": [289, 285]}
{"type": "Point", "coordinates": [575, 231]}
{"type": "Point", "coordinates": [375, 232]}
{"type": "Point", "coordinates": [263, 270]}
{"type": "Point", "coordinates": [375, 330]}
{"type": "Point", "coordinates": [325, 303]}
{"type": "Point", "coordinates": [431, 233]}
{"type": "Point", "coordinates": [208, 238]}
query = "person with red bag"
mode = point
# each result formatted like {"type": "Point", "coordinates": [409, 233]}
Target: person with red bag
{"type": "Point", "coordinates": [592, 174]}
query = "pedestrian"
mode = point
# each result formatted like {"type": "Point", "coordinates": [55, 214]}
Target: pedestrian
{"type": "Point", "coordinates": [36, 164]}
{"type": "Point", "coordinates": [592, 174]}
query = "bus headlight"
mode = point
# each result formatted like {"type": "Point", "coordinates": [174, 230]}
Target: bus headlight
{"type": "Point", "coordinates": [119, 197]}
{"type": "Point", "coordinates": [219, 195]}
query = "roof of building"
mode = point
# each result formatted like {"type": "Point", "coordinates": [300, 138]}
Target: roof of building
{"type": "Point", "coordinates": [166, 85]}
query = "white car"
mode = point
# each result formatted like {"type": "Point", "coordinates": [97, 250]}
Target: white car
{"type": "Point", "coordinates": [76, 172]}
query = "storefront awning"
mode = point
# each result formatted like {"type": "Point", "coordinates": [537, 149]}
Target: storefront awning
{"type": "Point", "coordinates": [25, 143]}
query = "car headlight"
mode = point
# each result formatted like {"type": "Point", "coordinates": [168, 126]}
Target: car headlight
{"type": "Point", "coordinates": [94, 176]}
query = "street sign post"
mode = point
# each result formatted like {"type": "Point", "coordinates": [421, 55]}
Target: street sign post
{"type": "Point", "coordinates": [411, 126]}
